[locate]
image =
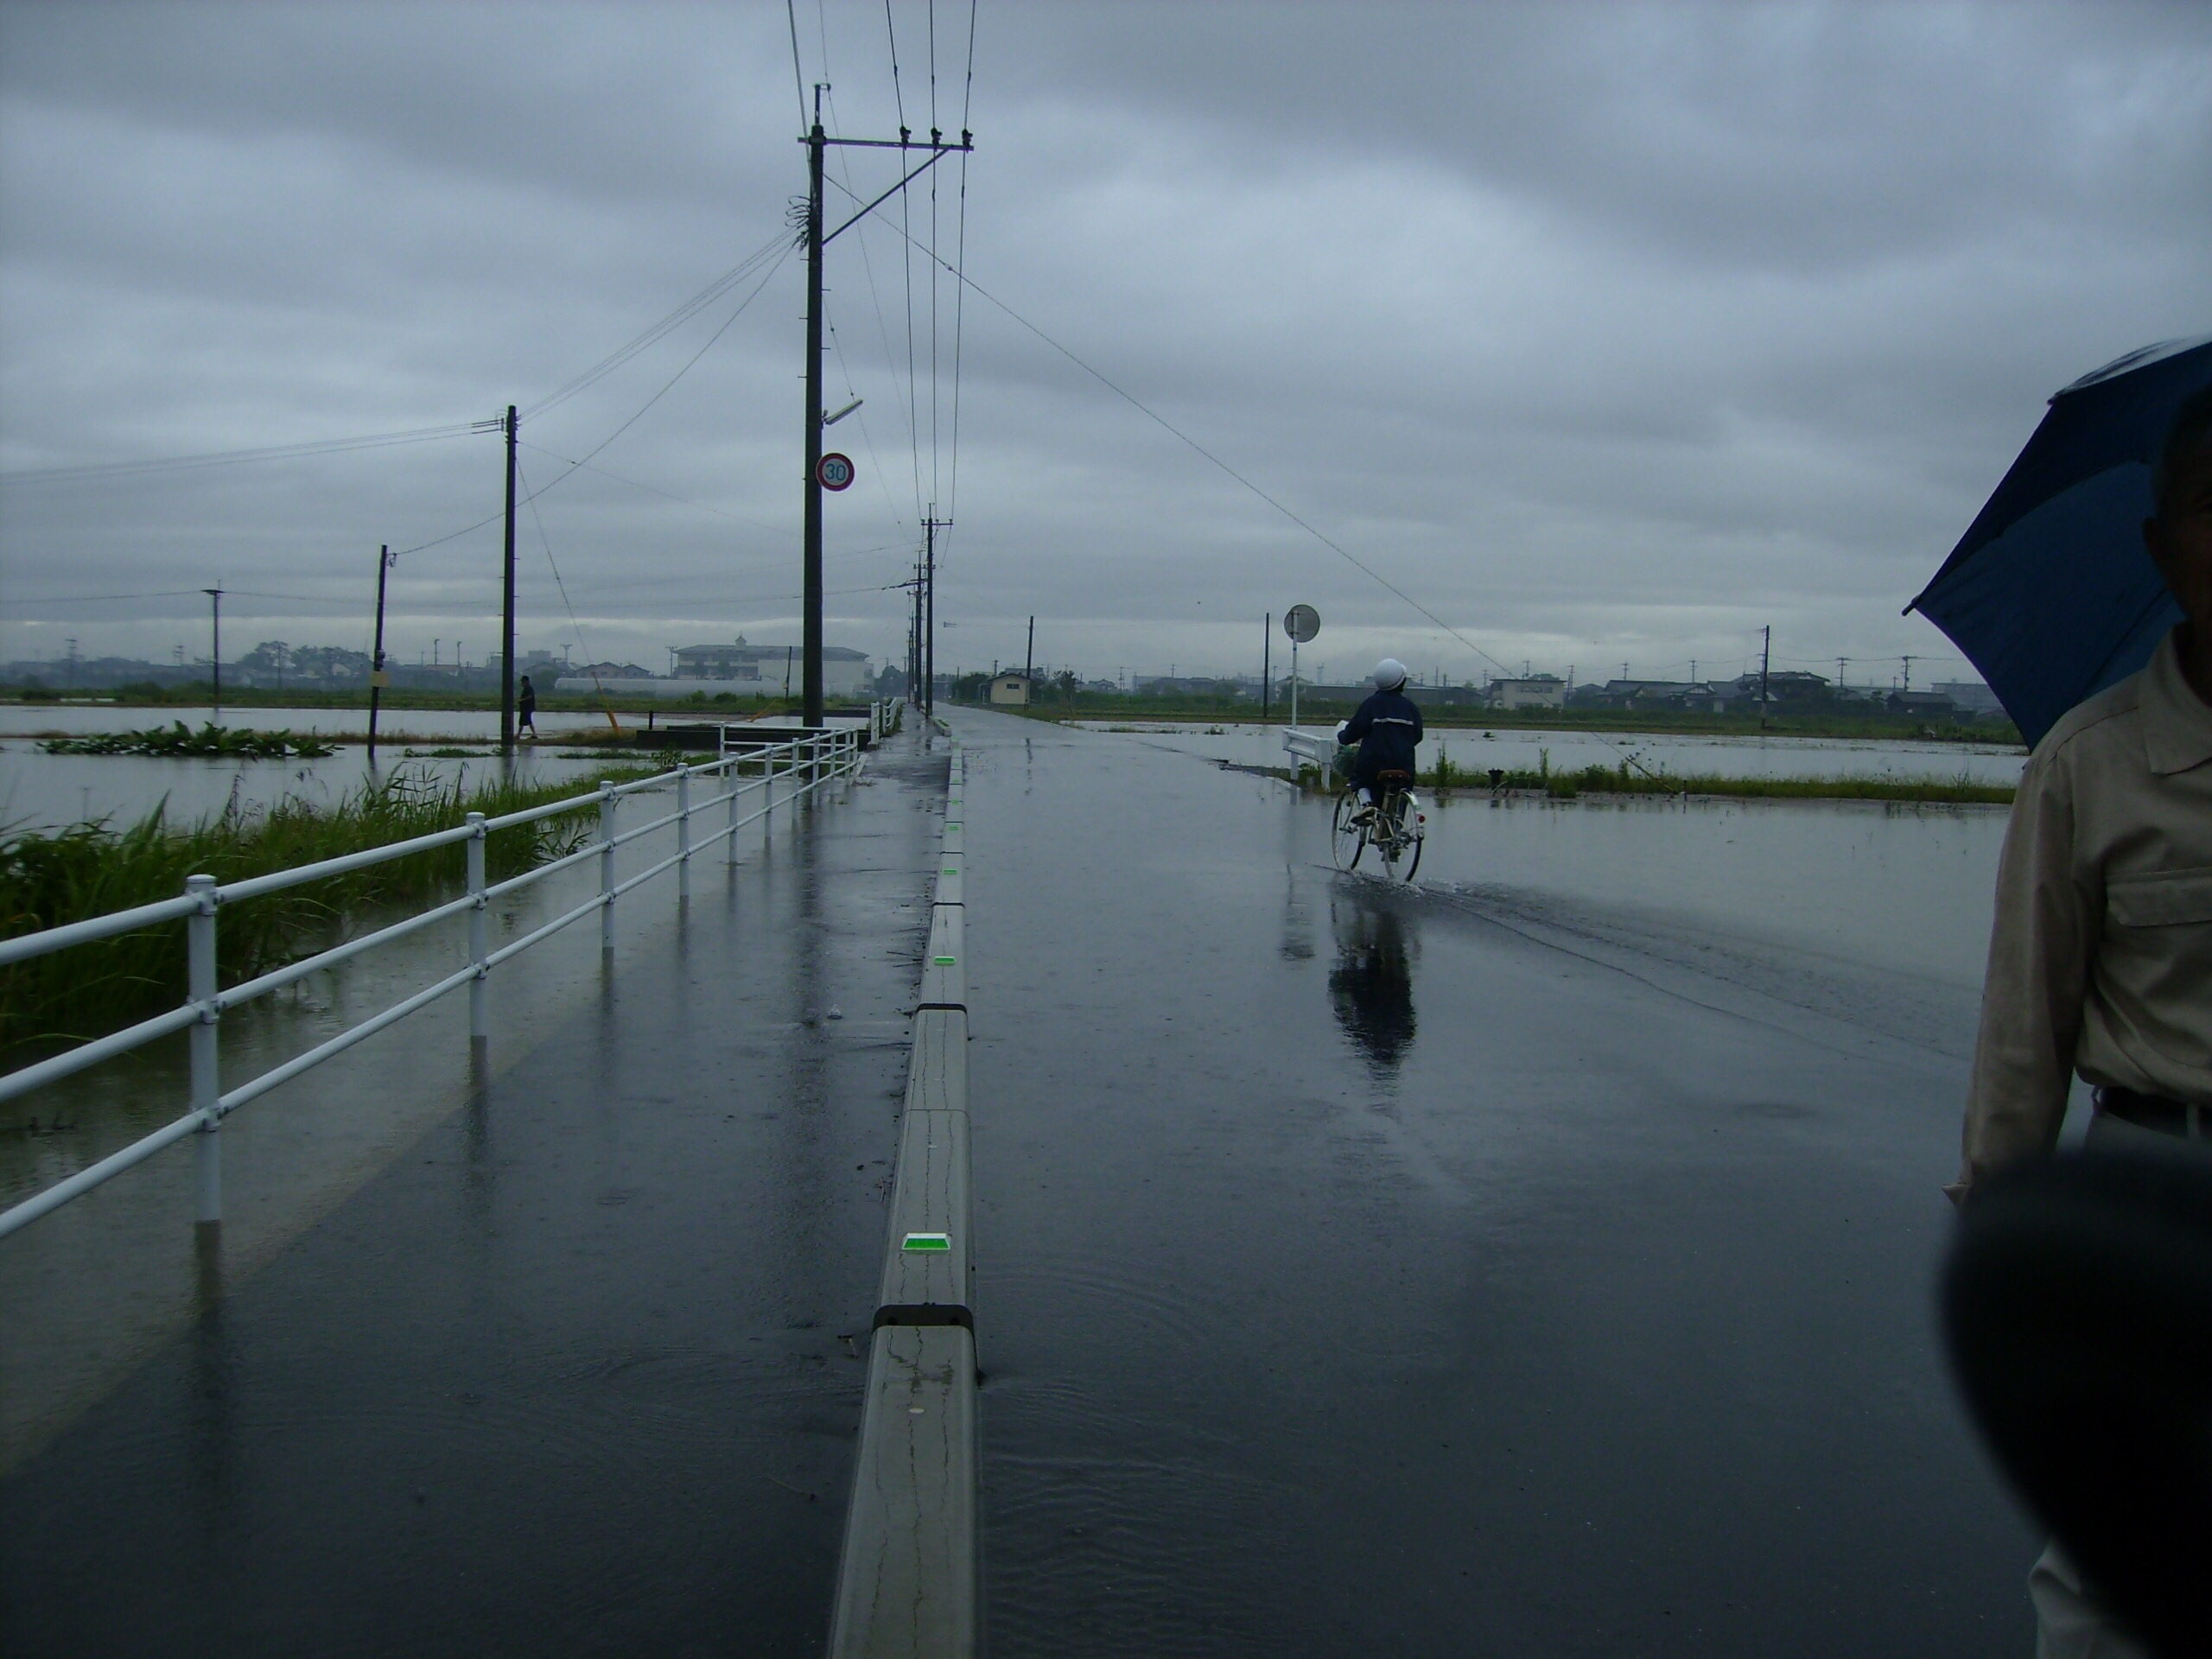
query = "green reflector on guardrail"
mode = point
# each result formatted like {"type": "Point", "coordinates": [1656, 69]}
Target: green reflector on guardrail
{"type": "Point", "coordinates": [950, 871]}
{"type": "Point", "coordinates": [927, 1242]}
{"type": "Point", "coordinates": [953, 825]}
{"type": "Point", "coordinates": [943, 961]}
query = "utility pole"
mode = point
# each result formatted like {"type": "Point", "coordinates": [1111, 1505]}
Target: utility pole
{"type": "Point", "coordinates": [377, 677]}
{"type": "Point", "coordinates": [1766, 656]}
{"type": "Point", "coordinates": [1908, 674]}
{"type": "Point", "coordinates": [1267, 647]}
{"type": "Point", "coordinates": [1029, 655]}
{"type": "Point", "coordinates": [215, 650]}
{"type": "Point", "coordinates": [507, 609]}
{"type": "Point", "coordinates": [816, 142]}
{"type": "Point", "coordinates": [931, 525]}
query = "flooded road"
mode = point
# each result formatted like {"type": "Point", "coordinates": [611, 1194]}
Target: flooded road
{"type": "Point", "coordinates": [1538, 1262]}
{"type": "Point", "coordinates": [568, 1371]}
{"type": "Point", "coordinates": [1533, 1261]}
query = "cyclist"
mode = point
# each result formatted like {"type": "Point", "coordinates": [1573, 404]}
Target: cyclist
{"type": "Point", "coordinates": [1387, 728]}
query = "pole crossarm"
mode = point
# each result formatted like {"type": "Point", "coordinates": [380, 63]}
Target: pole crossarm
{"type": "Point", "coordinates": [937, 153]}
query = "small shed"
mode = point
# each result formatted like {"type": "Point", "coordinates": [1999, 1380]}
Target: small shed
{"type": "Point", "coordinates": [1010, 690]}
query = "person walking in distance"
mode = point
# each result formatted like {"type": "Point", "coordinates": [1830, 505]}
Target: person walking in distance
{"type": "Point", "coordinates": [2101, 956]}
{"type": "Point", "coordinates": [526, 709]}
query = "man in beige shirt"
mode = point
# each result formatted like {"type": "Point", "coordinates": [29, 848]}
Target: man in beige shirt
{"type": "Point", "coordinates": [2101, 959]}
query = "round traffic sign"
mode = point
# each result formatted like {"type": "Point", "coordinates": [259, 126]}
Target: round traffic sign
{"type": "Point", "coordinates": [835, 471]}
{"type": "Point", "coordinates": [1301, 623]}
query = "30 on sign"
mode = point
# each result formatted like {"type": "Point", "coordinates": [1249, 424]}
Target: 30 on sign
{"type": "Point", "coordinates": [835, 471]}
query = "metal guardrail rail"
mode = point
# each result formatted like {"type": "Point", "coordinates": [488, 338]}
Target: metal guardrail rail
{"type": "Point", "coordinates": [1315, 748]}
{"type": "Point", "coordinates": [812, 761]}
{"type": "Point", "coordinates": [909, 1578]}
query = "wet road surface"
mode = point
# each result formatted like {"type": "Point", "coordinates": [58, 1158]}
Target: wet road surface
{"type": "Point", "coordinates": [1457, 1271]}
{"type": "Point", "coordinates": [1447, 1272]}
{"type": "Point", "coordinates": [570, 1375]}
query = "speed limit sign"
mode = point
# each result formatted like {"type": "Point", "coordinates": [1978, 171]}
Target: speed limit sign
{"type": "Point", "coordinates": [835, 471]}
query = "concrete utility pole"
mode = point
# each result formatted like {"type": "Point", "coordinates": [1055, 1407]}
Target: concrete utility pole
{"type": "Point", "coordinates": [1267, 647]}
{"type": "Point", "coordinates": [377, 677]}
{"type": "Point", "coordinates": [215, 650]}
{"type": "Point", "coordinates": [817, 142]}
{"type": "Point", "coordinates": [1029, 654]}
{"type": "Point", "coordinates": [931, 525]}
{"type": "Point", "coordinates": [507, 609]}
{"type": "Point", "coordinates": [1766, 656]}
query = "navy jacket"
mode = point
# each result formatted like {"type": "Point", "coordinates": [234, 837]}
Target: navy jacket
{"type": "Point", "coordinates": [1387, 728]}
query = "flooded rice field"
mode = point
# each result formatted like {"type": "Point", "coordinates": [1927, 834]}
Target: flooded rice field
{"type": "Point", "coordinates": [43, 792]}
{"type": "Point", "coordinates": [1478, 750]}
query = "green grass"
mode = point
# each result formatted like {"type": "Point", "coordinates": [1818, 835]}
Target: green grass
{"type": "Point", "coordinates": [49, 878]}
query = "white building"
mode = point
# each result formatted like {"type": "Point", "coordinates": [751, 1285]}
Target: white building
{"type": "Point", "coordinates": [1010, 690]}
{"type": "Point", "coordinates": [764, 671]}
{"type": "Point", "coordinates": [1539, 691]}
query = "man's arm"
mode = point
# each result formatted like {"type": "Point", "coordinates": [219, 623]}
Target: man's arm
{"type": "Point", "coordinates": [1357, 726]}
{"type": "Point", "coordinates": [2048, 913]}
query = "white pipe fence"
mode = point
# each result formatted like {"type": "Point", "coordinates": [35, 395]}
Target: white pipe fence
{"type": "Point", "coordinates": [804, 764]}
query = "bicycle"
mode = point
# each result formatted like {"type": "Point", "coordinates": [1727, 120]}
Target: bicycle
{"type": "Point", "coordinates": [1395, 829]}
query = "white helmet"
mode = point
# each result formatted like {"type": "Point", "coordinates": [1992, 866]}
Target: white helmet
{"type": "Point", "coordinates": [1389, 674]}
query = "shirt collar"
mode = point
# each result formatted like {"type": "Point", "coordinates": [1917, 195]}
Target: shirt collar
{"type": "Point", "coordinates": [2178, 727]}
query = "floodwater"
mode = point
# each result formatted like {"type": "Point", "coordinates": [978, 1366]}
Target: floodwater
{"type": "Point", "coordinates": [43, 792]}
{"type": "Point", "coordinates": [1478, 750]}
{"type": "Point", "coordinates": [550, 1355]}
{"type": "Point", "coordinates": [1536, 1260]}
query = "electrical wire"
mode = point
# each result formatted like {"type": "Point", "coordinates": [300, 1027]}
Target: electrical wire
{"type": "Point", "coordinates": [799, 78]}
{"type": "Point", "coordinates": [1183, 437]}
{"type": "Point", "coordinates": [234, 457]}
{"type": "Point", "coordinates": [590, 455]}
{"type": "Point", "coordinates": [960, 259]}
{"type": "Point", "coordinates": [675, 319]}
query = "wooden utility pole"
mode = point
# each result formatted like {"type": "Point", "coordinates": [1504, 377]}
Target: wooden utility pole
{"type": "Point", "coordinates": [507, 610]}
{"type": "Point", "coordinates": [1029, 657]}
{"type": "Point", "coordinates": [816, 142]}
{"type": "Point", "coordinates": [1766, 656]}
{"type": "Point", "coordinates": [377, 674]}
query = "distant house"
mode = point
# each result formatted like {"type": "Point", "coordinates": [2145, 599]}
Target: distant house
{"type": "Point", "coordinates": [1925, 705]}
{"type": "Point", "coordinates": [1011, 691]}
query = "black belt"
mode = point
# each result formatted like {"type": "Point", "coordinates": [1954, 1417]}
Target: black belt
{"type": "Point", "coordinates": [2156, 1112]}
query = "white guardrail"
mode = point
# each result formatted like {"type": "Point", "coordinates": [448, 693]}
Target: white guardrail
{"type": "Point", "coordinates": [1315, 748]}
{"type": "Point", "coordinates": [815, 761]}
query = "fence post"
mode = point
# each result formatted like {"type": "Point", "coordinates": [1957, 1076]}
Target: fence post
{"type": "Point", "coordinates": [479, 1024]}
{"type": "Point", "coordinates": [683, 830]}
{"type": "Point", "coordinates": [606, 799]}
{"type": "Point", "coordinates": [730, 775]}
{"type": "Point", "coordinates": [206, 1079]}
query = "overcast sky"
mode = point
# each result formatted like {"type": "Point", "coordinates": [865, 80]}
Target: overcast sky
{"type": "Point", "coordinates": [1608, 333]}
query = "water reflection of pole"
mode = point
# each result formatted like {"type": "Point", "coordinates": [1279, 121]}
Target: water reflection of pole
{"type": "Point", "coordinates": [377, 675]}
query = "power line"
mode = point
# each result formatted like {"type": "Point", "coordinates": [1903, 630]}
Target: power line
{"type": "Point", "coordinates": [674, 319]}
{"type": "Point", "coordinates": [799, 78]}
{"type": "Point", "coordinates": [573, 465]}
{"type": "Point", "coordinates": [234, 457]}
{"type": "Point", "coordinates": [1151, 413]}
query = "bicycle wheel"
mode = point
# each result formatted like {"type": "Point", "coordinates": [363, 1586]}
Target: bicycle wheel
{"type": "Point", "coordinates": [1403, 857]}
{"type": "Point", "coordinates": [1347, 839]}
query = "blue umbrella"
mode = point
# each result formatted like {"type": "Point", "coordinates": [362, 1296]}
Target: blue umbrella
{"type": "Point", "coordinates": [2049, 593]}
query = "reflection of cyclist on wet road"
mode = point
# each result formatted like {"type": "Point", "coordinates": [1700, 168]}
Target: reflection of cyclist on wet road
{"type": "Point", "coordinates": [1386, 729]}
